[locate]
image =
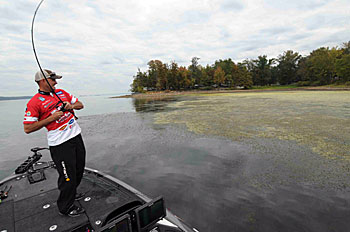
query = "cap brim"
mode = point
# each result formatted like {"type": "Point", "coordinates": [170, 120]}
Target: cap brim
{"type": "Point", "coordinates": [56, 77]}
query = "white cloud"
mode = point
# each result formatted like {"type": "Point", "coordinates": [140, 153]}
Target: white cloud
{"type": "Point", "coordinates": [98, 45]}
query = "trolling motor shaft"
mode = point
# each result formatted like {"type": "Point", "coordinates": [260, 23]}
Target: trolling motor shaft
{"type": "Point", "coordinates": [28, 163]}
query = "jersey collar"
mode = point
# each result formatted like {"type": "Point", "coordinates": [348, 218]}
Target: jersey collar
{"type": "Point", "coordinates": [43, 92]}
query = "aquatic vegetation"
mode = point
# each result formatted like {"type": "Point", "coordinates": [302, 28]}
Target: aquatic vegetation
{"type": "Point", "coordinates": [317, 119]}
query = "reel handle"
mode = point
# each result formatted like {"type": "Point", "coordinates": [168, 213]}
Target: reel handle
{"type": "Point", "coordinates": [63, 107]}
{"type": "Point", "coordinates": [64, 110]}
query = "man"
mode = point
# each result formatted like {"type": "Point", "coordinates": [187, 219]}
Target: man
{"type": "Point", "coordinates": [63, 134]}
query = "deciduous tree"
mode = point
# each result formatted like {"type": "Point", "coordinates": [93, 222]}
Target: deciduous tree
{"type": "Point", "coordinates": [287, 67]}
{"type": "Point", "coordinates": [219, 76]}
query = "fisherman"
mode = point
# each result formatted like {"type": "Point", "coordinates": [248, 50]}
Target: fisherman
{"type": "Point", "coordinates": [45, 109]}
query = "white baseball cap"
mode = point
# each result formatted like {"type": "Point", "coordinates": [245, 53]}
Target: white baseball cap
{"type": "Point", "coordinates": [48, 73]}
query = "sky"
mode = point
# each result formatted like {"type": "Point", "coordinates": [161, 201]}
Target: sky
{"type": "Point", "coordinates": [98, 46]}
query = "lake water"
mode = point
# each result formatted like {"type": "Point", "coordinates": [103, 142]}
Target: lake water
{"type": "Point", "coordinates": [213, 183]}
{"type": "Point", "coordinates": [13, 110]}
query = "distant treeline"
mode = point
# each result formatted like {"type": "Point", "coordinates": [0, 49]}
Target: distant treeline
{"type": "Point", "coordinates": [322, 66]}
{"type": "Point", "coordinates": [14, 98]}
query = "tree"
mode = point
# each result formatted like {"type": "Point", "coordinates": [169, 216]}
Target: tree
{"type": "Point", "coordinates": [304, 71]}
{"type": "Point", "coordinates": [205, 78]}
{"type": "Point", "coordinates": [342, 64]}
{"type": "Point", "coordinates": [195, 71]}
{"type": "Point", "coordinates": [173, 76]}
{"type": "Point", "coordinates": [229, 67]}
{"type": "Point", "coordinates": [346, 48]}
{"type": "Point", "coordinates": [152, 73]}
{"type": "Point", "coordinates": [158, 74]}
{"type": "Point", "coordinates": [322, 64]}
{"type": "Point", "coordinates": [242, 77]}
{"type": "Point", "coordinates": [219, 76]}
{"type": "Point", "coordinates": [139, 82]}
{"type": "Point", "coordinates": [287, 67]}
{"type": "Point", "coordinates": [185, 80]}
{"type": "Point", "coordinates": [209, 70]}
{"type": "Point", "coordinates": [261, 70]}
{"type": "Point", "coordinates": [342, 67]}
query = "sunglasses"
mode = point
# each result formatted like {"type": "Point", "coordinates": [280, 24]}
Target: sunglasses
{"type": "Point", "coordinates": [52, 74]}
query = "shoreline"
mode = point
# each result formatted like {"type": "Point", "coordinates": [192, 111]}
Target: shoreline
{"type": "Point", "coordinates": [161, 94]}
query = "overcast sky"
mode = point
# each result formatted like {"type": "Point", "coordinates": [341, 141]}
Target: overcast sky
{"type": "Point", "coordinates": [98, 45]}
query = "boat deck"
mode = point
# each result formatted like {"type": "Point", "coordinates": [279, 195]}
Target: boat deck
{"type": "Point", "coordinates": [32, 207]}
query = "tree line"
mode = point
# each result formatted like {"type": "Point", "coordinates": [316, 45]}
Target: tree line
{"type": "Point", "coordinates": [322, 66]}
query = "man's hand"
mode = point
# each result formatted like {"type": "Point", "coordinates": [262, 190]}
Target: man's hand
{"type": "Point", "coordinates": [68, 106]}
{"type": "Point", "coordinates": [76, 106]}
{"type": "Point", "coordinates": [29, 128]}
{"type": "Point", "coordinates": [57, 115]}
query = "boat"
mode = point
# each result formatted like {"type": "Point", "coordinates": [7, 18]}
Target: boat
{"type": "Point", "coordinates": [28, 203]}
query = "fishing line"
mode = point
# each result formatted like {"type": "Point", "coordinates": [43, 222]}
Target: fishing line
{"type": "Point", "coordinates": [36, 57]}
{"type": "Point", "coordinates": [37, 60]}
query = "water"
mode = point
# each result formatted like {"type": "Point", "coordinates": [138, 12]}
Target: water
{"type": "Point", "coordinates": [15, 143]}
{"type": "Point", "coordinates": [211, 182]}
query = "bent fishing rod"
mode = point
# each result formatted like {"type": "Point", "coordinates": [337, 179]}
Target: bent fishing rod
{"type": "Point", "coordinates": [41, 70]}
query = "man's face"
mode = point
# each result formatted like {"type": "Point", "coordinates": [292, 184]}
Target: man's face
{"type": "Point", "coordinates": [52, 83]}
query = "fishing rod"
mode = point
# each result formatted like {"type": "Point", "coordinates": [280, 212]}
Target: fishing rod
{"type": "Point", "coordinates": [37, 60]}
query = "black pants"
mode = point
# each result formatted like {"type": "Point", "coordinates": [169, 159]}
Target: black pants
{"type": "Point", "coordinates": [69, 158]}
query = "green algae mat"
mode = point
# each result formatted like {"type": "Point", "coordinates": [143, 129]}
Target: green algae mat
{"type": "Point", "coordinates": [317, 119]}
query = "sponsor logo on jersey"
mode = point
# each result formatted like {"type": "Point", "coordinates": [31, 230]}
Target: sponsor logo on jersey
{"type": "Point", "coordinates": [63, 128]}
{"type": "Point", "coordinates": [54, 106]}
{"type": "Point", "coordinates": [41, 99]}
{"type": "Point", "coordinates": [71, 121]}
{"type": "Point", "coordinates": [45, 106]}
{"type": "Point", "coordinates": [61, 94]}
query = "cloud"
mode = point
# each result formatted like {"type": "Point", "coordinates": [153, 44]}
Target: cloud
{"type": "Point", "coordinates": [327, 20]}
{"type": "Point", "coordinates": [230, 5]}
{"type": "Point", "coordinates": [99, 45]}
{"type": "Point", "coordinates": [296, 4]}
{"type": "Point", "coordinates": [276, 30]}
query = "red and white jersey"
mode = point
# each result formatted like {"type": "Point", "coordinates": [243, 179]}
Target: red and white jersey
{"type": "Point", "coordinates": [42, 105]}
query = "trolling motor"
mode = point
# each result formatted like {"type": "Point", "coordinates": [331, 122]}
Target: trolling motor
{"type": "Point", "coordinates": [27, 164]}
{"type": "Point", "coordinates": [33, 169]}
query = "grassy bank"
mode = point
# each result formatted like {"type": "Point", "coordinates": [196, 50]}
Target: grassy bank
{"type": "Point", "coordinates": [276, 87]}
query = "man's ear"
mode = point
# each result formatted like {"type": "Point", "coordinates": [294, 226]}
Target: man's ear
{"type": "Point", "coordinates": [41, 82]}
